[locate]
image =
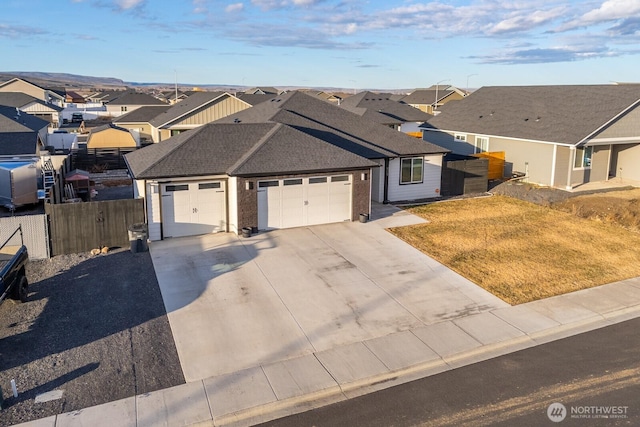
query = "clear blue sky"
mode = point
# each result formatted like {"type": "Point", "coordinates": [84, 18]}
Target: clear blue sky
{"type": "Point", "coordinates": [344, 43]}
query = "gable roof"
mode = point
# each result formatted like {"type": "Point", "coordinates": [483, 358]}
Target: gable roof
{"type": "Point", "coordinates": [143, 114]}
{"type": "Point", "coordinates": [182, 108]}
{"type": "Point", "coordinates": [250, 149]}
{"type": "Point", "coordinates": [12, 120]}
{"type": "Point", "coordinates": [335, 125]}
{"type": "Point", "coordinates": [262, 90]}
{"type": "Point", "coordinates": [21, 100]}
{"type": "Point", "coordinates": [254, 99]}
{"type": "Point", "coordinates": [563, 114]}
{"type": "Point", "coordinates": [136, 98]}
{"type": "Point", "coordinates": [384, 104]}
{"type": "Point", "coordinates": [427, 96]}
{"type": "Point", "coordinates": [108, 126]}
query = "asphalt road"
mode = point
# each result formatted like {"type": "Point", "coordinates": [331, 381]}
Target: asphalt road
{"type": "Point", "coordinates": [94, 330]}
{"type": "Point", "coordinates": [595, 371]}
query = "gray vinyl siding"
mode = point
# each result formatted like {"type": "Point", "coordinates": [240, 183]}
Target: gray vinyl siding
{"type": "Point", "coordinates": [446, 140]}
{"type": "Point", "coordinates": [600, 163]}
{"type": "Point", "coordinates": [521, 156]}
{"type": "Point", "coordinates": [563, 165]}
{"type": "Point", "coordinates": [625, 161]}
{"type": "Point", "coordinates": [626, 126]}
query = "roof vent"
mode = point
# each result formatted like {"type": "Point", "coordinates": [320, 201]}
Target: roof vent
{"type": "Point", "coordinates": [538, 119]}
{"type": "Point", "coordinates": [527, 119]}
{"type": "Point", "coordinates": [236, 120]}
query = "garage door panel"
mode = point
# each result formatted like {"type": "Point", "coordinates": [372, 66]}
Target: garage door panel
{"type": "Point", "coordinates": [292, 205]}
{"type": "Point", "coordinates": [318, 198]}
{"type": "Point", "coordinates": [339, 199]}
{"type": "Point", "coordinates": [296, 202]}
{"type": "Point", "coordinates": [189, 209]}
{"type": "Point", "coordinates": [269, 204]}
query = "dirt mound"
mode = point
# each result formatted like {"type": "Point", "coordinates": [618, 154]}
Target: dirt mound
{"type": "Point", "coordinates": [615, 207]}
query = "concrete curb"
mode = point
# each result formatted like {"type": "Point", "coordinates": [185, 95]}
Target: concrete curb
{"type": "Point", "coordinates": [275, 410]}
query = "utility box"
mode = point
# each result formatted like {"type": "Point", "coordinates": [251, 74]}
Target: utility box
{"type": "Point", "coordinates": [18, 184]}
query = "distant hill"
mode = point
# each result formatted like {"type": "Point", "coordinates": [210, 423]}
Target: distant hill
{"type": "Point", "coordinates": [78, 82]}
{"type": "Point", "coordinates": [64, 80]}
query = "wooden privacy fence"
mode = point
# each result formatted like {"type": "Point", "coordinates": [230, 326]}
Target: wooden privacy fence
{"type": "Point", "coordinates": [496, 163]}
{"type": "Point", "coordinates": [102, 158]}
{"type": "Point", "coordinates": [80, 227]}
{"type": "Point", "coordinates": [463, 175]}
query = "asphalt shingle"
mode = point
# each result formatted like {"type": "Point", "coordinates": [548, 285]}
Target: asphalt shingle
{"type": "Point", "coordinates": [564, 114]}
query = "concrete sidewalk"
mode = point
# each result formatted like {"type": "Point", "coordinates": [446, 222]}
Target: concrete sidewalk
{"type": "Point", "coordinates": [274, 390]}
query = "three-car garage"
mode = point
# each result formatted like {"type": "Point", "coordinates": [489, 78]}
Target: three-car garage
{"type": "Point", "coordinates": [200, 207]}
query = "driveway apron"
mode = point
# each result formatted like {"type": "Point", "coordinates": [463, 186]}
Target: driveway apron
{"type": "Point", "coordinates": [235, 303]}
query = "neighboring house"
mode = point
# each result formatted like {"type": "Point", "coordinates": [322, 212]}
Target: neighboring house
{"type": "Point", "coordinates": [139, 121]}
{"type": "Point", "coordinates": [431, 99]}
{"type": "Point", "coordinates": [111, 136]}
{"type": "Point", "coordinates": [196, 110]}
{"type": "Point", "coordinates": [263, 90]}
{"type": "Point", "coordinates": [560, 136]}
{"type": "Point", "coordinates": [255, 99]}
{"type": "Point", "coordinates": [131, 101]}
{"type": "Point", "coordinates": [171, 97]}
{"type": "Point", "coordinates": [329, 97]}
{"type": "Point", "coordinates": [72, 97]}
{"type": "Point", "coordinates": [383, 109]}
{"type": "Point", "coordinates": [49, 96]}
{"type": "Point", "coordinates": [33, 106]}
{"type": "Point", "coordinates": [290, 162]}
{"type": "Point", "coordinates": [105, 96]}
{"type": "Point", "coordinates": [20, 133]}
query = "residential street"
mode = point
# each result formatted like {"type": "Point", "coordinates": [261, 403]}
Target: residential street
{"type": "Point", "coordinates": [594, 369]}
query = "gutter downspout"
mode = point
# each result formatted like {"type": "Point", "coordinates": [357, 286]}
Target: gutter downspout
{"type": "Point", "coordinates": [385, 198]}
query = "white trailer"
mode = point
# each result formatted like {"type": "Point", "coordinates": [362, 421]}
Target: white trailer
{"type": "Point", "coordinates": [18, 183]}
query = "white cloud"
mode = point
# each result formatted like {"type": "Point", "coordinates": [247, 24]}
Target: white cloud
{"type": "Point", "coordinates": [128, 4]}
{"type": "Point", "coordinates": [235, 7]}
{"type": "Point", "coordinates": [612, 10]}
{"type": "Point", "coordinates": [527, 20]}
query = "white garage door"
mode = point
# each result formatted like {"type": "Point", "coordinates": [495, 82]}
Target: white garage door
{"type": "Point", "coordinates": [193, 208]}
{"type": "Point", "coordinates": [296, 202]}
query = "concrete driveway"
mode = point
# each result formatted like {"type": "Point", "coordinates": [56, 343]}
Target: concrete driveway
{"type": "Point", "coordinates": [235, 303]}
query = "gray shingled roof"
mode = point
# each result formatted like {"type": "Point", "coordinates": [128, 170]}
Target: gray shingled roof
{"type": "Point", "coordinates": [105, 127]}
{"type": "Point", "coordinates": [143, 114]}
{"type": "Point", "coordinates": [247, 149]}
{"type": "Point", "coordinates": [136, 98]}
{"type": "Point", "coordinates": [426, 96]}
{"type": "Point", "coordinates": [13, 121]}
{"type": "Point", "coordinates": [564, 114]}
{"type": "Point", "coordinates": [384, 104]}
{"type": "Point", "coordinates": [254, 99]}
{"type": "Point", "coordinates": [20, 99]}
{"type": "Point", "coordinates": [18, 143]}
{"type": "Point", "coordinates": [182, 108]}
{"type": "Point", "coordinates": [334, 125]}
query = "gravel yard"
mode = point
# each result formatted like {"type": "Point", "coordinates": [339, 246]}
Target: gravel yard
{"type": "Point", "coordinates": [93, 331]}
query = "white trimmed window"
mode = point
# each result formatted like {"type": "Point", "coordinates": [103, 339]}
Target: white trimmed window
{"type": "Point", "coordinates": [460, 137]}
{"type": "Point", "coordinates": [482, 144]}
{"type": "Point", "coordinates": [583, 157]}
{"type": "Point", "coordinates": [411, 170]}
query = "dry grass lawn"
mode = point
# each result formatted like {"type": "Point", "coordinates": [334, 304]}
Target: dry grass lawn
{"type": "Point", "coordinates": [522, 252]}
